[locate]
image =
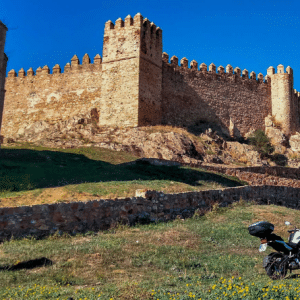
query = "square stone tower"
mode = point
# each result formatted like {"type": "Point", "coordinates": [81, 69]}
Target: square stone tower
{"type": "Point", "coordinates": [284, 104]}
{"type": "Point", "coordinates": [3, 63]}
{"type": "Point", "coordinates": [131, 73]}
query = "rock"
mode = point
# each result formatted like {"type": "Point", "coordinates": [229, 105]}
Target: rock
{"type": "Point", "coordinates": [141, 193]}
{"type": "Point", "coordinates": [36, 127]}
{"type": "Point", "coordinates": [277, 137]}
{"type": "Point", "coordinates": [213, 159]}
{"type": "Point", "coordinates": [162, 145]}
{"type": "Point", "coordinates": [233, 131]}
{"type": "Point", "coordinates": [295, 142]}
{"type": "Point", "coordinates": [243, 152]}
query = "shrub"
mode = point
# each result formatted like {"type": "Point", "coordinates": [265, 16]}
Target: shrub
{"type": "Point", "coordinates": [261, 143]}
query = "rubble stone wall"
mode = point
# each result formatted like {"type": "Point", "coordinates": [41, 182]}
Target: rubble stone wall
{"type": "Point", "coordinates": [42, 220]}
{"type": "Point", "coordinates": [284, 100]}
{"type": "Point", "coordinates": [230, 100]}
{"type": "Point", "coordinates": [50, 98]}
{"type": "Point", "coordinates": [283, 172]}
{"type": "Point", "coordinates": [136, 85]}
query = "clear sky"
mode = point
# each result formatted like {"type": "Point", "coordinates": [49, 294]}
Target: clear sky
{"type": "Point", "coordinates": [251, 34]}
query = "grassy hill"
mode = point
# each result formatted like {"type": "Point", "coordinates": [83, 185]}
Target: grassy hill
{"type": "Point", "coordinates": [37, 175]}
{"type": "Point", "coordinates": [208, 257]}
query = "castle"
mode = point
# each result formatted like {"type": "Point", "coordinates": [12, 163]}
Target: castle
{"type": "Point", "coordinates": [136, 84]}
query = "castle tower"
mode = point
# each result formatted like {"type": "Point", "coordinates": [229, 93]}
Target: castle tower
{"type": "Point", "coordinates": [3, 63]}
{"type": "Point", "coordinates": [131, 73]}
{"type": "Point", "coordinates": [284, 108]}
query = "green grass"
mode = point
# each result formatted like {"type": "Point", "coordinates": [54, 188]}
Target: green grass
{"type": "Point", "coordinates": [194, 258]}
{"type": "Point", "coordinates": [95, 171]}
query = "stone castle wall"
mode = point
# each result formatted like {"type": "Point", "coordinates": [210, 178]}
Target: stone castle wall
{"type": "Point", "coordinates": [284, 99]}
{"type": "Point", "coordinates": [150, 87]}
{"type": "Point", "coordinates": [120, 76]}
{"type": "Point", "coordinates": [230, 99]}
{"type": "Point", "coordinates": [131, 88]}
{"type": "Point", "coordinates": [42, 220]}
{"type": "Point", "coordinates": [136, 85]}
{"type": "Point", "coordinates": [45, 97]}
{"type": "Point", "coordinates": [3, 62]}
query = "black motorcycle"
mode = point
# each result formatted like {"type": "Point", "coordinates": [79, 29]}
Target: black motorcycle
{"type": "Point", "coordinates": [287, 256]}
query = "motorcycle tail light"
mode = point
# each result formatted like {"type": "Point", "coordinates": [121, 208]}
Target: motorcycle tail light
{"type": "Point", "coordinates": [263, 241]}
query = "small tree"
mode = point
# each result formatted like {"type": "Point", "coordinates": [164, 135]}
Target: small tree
{"type": "Point", "coordinates": [261, 143]}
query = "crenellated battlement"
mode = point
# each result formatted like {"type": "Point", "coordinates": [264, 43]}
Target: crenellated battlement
{"type": "Point", "coordinates": [132, 37]}
{"type": "Point", "coordinates": [138, 22]}
{"type": "Point", "coordinates": [135, 83]}
{"type": "Point", "coordinates": [132, 50]}
{"type": "Point", "coordinates": [74, 67]}
{"type": "Point", "coordinates": [220, 72]}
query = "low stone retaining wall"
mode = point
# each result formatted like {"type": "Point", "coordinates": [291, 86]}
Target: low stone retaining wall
{"type": "Point", "coordinates": [42, 220]}
{"type": "Point", "coordinates": [251, 177]}
{"type": "Point", "coordinates": [290, 173]}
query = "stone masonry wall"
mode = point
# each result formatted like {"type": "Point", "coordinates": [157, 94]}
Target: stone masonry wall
{"type": "Point", "coordinates": [42, 220]}
{"type": "Point", "coordinates": [50, 98]}
{"type": "Point", "coordinates": [120, 72]}
{"type": "Point", "coordinates": [3, 62]}
{"type": "Point", "coordinates": [229, 99]}
{"type": "Point", "coordinates": [131, 73]}
{"type": "Point", "coordinates": [284, 108]}
{"type": "Point", "coordinates": [150, 84]}
{"type": "Point", "coordinates": [136, 85]}
{"type": "Point", "coordinates": [277, 176]}
{"type": "Point", "coordinates": [283, 172]}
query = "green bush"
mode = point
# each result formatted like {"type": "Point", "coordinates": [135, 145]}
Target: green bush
{"type": "Point", "coordinates": [261, 143]}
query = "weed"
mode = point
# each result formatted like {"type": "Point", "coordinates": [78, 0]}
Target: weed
{"type": "Point", "coordinates": [261, 143]}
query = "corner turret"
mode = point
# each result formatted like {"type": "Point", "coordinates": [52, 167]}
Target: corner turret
{"type": "Point", "coordinates": [284, 108]}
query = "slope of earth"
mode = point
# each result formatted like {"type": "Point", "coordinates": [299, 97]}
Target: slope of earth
{"type": "Point", "coordinates": [37, 175]}
{"type": "Point", "coordinates": [163, 142]}
{"type": "Point", "coordinates": [204, 141]}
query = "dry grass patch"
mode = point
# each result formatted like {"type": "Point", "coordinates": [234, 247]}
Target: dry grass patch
{"type": "Point", "coordinates": [172, 237]}
{"type": "Point", "coordinates": [80, 240]}
{"type": "Point", "coordinates": [45, 196]}
{"type": "Point", "coordinates": [67, 195]}
{"type": "Point", "coordinates": [276, 215]}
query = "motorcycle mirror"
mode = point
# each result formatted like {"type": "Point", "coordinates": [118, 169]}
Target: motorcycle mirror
{"type": "Point", "coordinates": [287, 223]}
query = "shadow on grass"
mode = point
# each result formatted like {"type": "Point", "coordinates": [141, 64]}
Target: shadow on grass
{"type": "Point", "coordinates": [24, 169]}
{"type": "Point", "coordinates": [29, 264]}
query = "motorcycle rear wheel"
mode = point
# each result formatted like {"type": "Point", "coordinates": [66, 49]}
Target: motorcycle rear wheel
{"type": "Point", "coordinates": [277, 269]}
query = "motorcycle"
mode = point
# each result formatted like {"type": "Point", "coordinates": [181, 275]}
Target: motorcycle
{"type": "Point", "coordinates": [287, 256]}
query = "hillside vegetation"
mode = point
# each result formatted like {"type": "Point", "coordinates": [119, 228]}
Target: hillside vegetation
{"type": "Point", "coordinates": [208, 257]}
{"type": "Point", "coordinates": [38, 175]}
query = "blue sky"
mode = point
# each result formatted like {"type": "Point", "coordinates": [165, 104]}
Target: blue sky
{"type": "Point", "coordinates": [252, 34]}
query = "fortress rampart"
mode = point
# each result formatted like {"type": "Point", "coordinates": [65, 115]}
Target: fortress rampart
{"type": "Point", "coordinates": [230, 98]}
{"type": "Point", "coordinates": [135, 84]}
{"type": "Point", "coordinates": [42, 96]}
